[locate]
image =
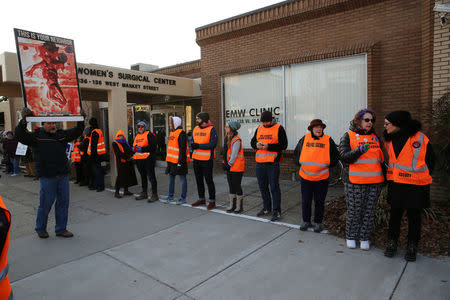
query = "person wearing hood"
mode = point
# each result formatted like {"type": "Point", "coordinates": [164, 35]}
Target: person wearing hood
{"type": "Point", "coordinates": [234, 164]}
{"type": "Point", "coordinates": [411, 162]}
{"type": "Point", "coordinates": [177, 158]}
{"type": "Point", "coordinates": [363, 158]}
{"type": "Point", "coordinates": [144, 146]}
{"type": "Point", "coordinates": [204, 146]}
{"type": "Point", "coordinates": [269, 141]}
{"type": "Point", "coordinates": [315, 153]}
{"type": "Point", "coordinates": [52, 166]}
{"type": "Point", "coordinates": [97, 151]}
{"type": "Point", "coordinates": [126, 175]}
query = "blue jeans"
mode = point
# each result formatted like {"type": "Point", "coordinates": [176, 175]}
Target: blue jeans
{"type": "Point", "coordinates": [268, 175]}
{"type": "Point", "coordinates": [51, 189]}
{"type": "Point", "coordinates": [15, 164]}
{"type": "Point", "coordinates": [183, 186]}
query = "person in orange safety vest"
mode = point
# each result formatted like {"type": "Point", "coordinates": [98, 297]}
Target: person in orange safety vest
{"type": "Point", "coordinates": [234, 164]}
{"type": "Point", "coordinates": [269, 141]}
{"type": "Point", "coordinates": [411, 162]}
{"type": "Point", "coordinates": [315, 153]}
{"type": "Point", "coordinates": [76, 160]}
{"type": "Point", "coordinates": [5, 229]}
{"type": "Point", "coordinates": [362, 155]}
{"type": "Point", "coordinates": [204, 146]}
{"type": "Point", "coordinates": [96, 151]}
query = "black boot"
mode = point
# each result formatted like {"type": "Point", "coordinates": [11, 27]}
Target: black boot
{"type": "Point", "coordinates": [411, 251]}
{"type": "Point", "coordinates": [391, 248]}
{"type": "Point", "coordinates": [117, 194]}
{"type": "Point", "coordinates": [232, 205]}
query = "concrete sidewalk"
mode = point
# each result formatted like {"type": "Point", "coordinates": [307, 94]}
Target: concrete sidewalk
{"type": "Point", "coordinates": [127, 249]}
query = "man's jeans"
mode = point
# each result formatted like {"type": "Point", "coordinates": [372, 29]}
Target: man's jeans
{"type": "Point", "coordinates": [183, 186]}
{"type": "Point", "coordinates": [51, 189]}
{"type": "Point", "coordinates": [15, 163]}
{"type": "Point", "coordinates": [268, 175]}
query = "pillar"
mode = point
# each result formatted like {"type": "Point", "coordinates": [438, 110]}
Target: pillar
{"type": "Point", "coordinates": [117, 119]}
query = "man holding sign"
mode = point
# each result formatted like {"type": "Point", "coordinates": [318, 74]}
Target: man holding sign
{"type": "Point", "coordinates": [52, 167]}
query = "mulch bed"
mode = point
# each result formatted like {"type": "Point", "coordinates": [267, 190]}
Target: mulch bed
{"type": "Point", "coordinates": [435, 233]}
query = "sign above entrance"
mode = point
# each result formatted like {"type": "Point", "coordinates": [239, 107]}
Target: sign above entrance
{"type": "Point", "coordinates": [105, 78]}
{"type": "Point", "coordinates": [48, 72]}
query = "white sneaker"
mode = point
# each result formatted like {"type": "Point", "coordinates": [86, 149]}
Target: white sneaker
{"type": "Point", "coordinates": [365, 245]}
{"type": "Point", "coordinates": [351, 244]}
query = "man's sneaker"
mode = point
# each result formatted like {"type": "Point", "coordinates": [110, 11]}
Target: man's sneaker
{"type": "Point", "coordinates": [351, 244]}
{"type": "Point", "coordinates": [318, 227]}
{"type": "Point", "coordinates": [211, 205]}
{"type": "Point", "coordinates": [365, 245]}
{"type": "Point", "coordinates": [305, 226]}
{"type": "Point", "coordinates": [198, 203]}
{"type": "Point", "coordinates": [167, 200]}
{"type": "Point", "coordinates": [276, 216]}
{"type": "Point", "coordinates": [153, 198]}
{"type": "Point", "coordinates": [65, 233]}
{"type": "Point", "coordinates": [181, 201]}
{"type": "Point", "coordinates": [263, 212]}
{"type": "Point", "coordinates": [391, 248]}
{"type": "Point", "coordinates": [43, 235]}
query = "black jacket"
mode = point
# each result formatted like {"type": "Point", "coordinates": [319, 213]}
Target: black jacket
{"type": "Point", "coordinates": [334, 154]}
{"type": "Point", "coordinates": [349, 156]}
{"type": "Point", "coordinates": [49, 148]}
{"type": "Point", "coordinates": [278, 147]}
{"type": "Point", "coordinates": [408, 195]}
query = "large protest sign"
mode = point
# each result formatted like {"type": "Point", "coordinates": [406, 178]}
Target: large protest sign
{"type": "Point", "coordinates": [47, 68]}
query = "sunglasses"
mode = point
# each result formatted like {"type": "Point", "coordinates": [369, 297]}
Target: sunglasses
{"type": "Point", "coordinates": [369, 120]}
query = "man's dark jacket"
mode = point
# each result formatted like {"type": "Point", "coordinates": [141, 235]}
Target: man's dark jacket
{"type": "Point", "coordinates": [49, 148]}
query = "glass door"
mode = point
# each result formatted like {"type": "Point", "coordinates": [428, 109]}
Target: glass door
{"type": "Point", "coordinates": [159, 129]}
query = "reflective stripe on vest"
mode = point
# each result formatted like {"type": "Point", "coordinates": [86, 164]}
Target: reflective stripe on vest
{"type": "Point", "coordinates": [266, 135]}
{"type": "Point", "coordinates": [410, 166]}
{"type": "Point", "coordinates": [141, 140]}
{"type": "Point", "coordinates": [173, 149]}
{"type": "Point", "coordinates": [239, 163]}
{"type": "Point", "coordinates": [5, 286]}
{"type": "Point", "coordinates": [367, 168]}
{"type": "Point", "coordinates": [76, 153]}
{"type": "Point", "coordinates": [100, 143]}
{"type": "Point", "coordinates": [202, 136]}
{"type": "Point", "coordinates": [315, 158]}
{"type": "Point", "coordinates": [121, 150]}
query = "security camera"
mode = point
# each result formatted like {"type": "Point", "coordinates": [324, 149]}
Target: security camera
{"type": "Point", "coordinates": [443, 19]}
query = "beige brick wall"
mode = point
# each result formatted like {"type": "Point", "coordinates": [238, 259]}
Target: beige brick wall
{"type": "Point", "coordinates": [441, 55]}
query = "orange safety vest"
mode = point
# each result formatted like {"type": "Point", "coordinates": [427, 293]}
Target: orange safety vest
{"type": "Point", "coordinates": [239, 163]}
{"type": "Point", "coordinates": [141, 140]}
{"type": "Point", "coordinates": [76, 153]}
{"type": "Point", "coordinates": [410, 166]}
{"type": "Point", "coordinates": [5, 286]}
{"type": "Point", "coordinates": [315, 158]}
{"type": "Point", "coordinates": [100, 143]}
{"type": "Point", "coordinates": [173, 148]}
{"type": "Point", "coordinates": [121, 150]}
{"type": "Point", "coordinates": [367, 168]}
{"type": "Point", "coordinates": [202, 136]}
{"type": "Point", "coordinates": [266, 135]}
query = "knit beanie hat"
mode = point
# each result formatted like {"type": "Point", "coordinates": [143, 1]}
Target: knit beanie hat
{"type": "Point", "coordinates": [176, 122]}
{"type": "Point", "coordinates": [266, 116]}
{"type": "Point", "coordinates": [204, 116]}
{"type": "Point", "coordinates": [316, 122]}
{"type": "Point", "coordinates": [235, 125]}
{"type": "Point", "coordinates": [399, 118]}
{"type": "Point", "coordinates": [93, 122]}
{"type": "Point", "coordinates": [143, 123]}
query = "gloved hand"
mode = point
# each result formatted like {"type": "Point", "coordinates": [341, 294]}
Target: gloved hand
{"type": "Point", "coordinates": [138, 149]}
{"type": "Point", "coordinates": [26, 112]}
{"type": "Point", "coordinates": [167, 170]}
{"type": "Point", "coordinates": [225, 166]}
{"type": "Point", "coordinates": [195, 146]}
{"type": "Point", "coordinates": [364, 148]}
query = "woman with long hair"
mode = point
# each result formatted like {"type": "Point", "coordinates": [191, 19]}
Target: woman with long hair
{"type": "Point", "coordinates": [234, 164]}
{"type": "Point", "coordinates": [363, 159]}
{"type": "Point", "coordinates": [411, 162]}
